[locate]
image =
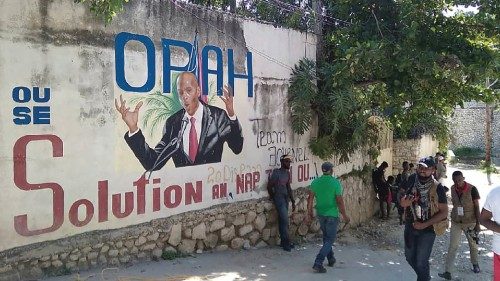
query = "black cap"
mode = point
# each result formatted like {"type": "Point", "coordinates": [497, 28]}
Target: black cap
{"type": "Point", "coordinates": [286, 157]}
{"type": "Point", "coordinates": [427, 162]}
{"type": "Point", "coordinates": [326, 167]}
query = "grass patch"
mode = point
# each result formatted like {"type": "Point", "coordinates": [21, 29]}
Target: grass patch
{"type": "Point", "coordinates": [172, 255]}
{"type": "Point", "coordinates": [469, 152]}
{"type": "Point", "coordinates": [489, 169]}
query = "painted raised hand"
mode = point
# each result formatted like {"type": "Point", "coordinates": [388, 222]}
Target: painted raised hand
{"type": "Point", "coordinates": [227, 98]}
{"type": "Point", "coordinates": [130, 117]}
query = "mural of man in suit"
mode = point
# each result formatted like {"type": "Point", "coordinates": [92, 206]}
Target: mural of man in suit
{"type": "Point", "coordinates": [194, 135]}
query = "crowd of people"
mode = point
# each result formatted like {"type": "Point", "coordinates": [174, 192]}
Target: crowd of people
{"type": "Point", "coordinates": [390, 190]}
{"type": "Point", "coordinates": [421, 200]}
{"type": "Point", "coordinates": [420, 197]}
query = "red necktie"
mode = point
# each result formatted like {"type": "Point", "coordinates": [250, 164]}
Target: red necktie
{"type": "Point", "coordinates": [193, 140]}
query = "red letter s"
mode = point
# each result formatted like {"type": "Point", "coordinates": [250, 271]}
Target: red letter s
{"type": "Point", "coordinates": [21, 221]}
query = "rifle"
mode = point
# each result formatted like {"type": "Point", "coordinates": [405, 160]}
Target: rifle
{"type": "Point", "coordinates": [473, 234]}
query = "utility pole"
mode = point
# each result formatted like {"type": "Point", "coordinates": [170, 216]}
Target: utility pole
{"type": "Point", "coordinates": [317, 6]}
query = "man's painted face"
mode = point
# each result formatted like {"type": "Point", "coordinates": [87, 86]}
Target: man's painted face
{"type": "Point", "coordinates": [424, 172]}
{"type": "Point", "coordinates": [189, 92]}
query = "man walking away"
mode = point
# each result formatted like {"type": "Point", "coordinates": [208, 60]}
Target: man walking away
{"type": "Point", "coordinates": [489, 218]}
{"type": "Point", "coordinates": [329, 201]}
{"type": "Point", "coordinates": [280, 193]}
{"type": "Point", "coordinates": [464, 217]}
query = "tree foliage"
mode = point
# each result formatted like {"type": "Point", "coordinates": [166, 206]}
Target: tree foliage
{"type": "Point", "coordinates": [406, 60]}
{"type": "Point", "coordinates": [106, 9]}
{"type": "Point", "coordinates": [295, 14]}
{"type": "Point", "coordinates": [303, 93]}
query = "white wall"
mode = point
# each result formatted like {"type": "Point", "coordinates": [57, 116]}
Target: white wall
{"type": "Point", "coordinates": [59, 45]}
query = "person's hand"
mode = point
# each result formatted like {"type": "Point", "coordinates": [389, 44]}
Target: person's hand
{"type": "Point", "coordinates": [227, 98]}
{"type": "Point", "coordinates": [477, 228]}
{"type": "Point", "coordinates": [130, 117]}
{"type": "Point", "coordinates": [419, 225]}
{"type": "Point", "coordinates": [346, 219]}
{"type": "Point", "coordinates": [406, 201]}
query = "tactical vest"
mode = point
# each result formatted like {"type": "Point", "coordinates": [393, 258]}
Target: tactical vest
{"type": "Point", "coordinates": [464, 201]}
{"type": "Point", "coordinates": [441, 226]}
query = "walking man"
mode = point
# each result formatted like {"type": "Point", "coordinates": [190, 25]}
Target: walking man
{"type": "Point", "coordinates": [464, 217]}
{"type": "Point", "coordinates": [426, 210]}
{"type": "Point", "coordinates": [280, 193]}
{"type": "Point", "coordinates": [329, 201]}
{"type": "Point", "coordinates": [489, 218]}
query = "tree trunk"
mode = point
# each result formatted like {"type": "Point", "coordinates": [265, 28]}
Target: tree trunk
{"type": "Point", "coordinates": [488, 138]}
{"type": "Point", "coordinates": [232, 6]}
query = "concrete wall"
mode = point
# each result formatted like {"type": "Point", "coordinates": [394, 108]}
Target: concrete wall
{"type": "Point", "coordinates": [468, 127]}
{"type": "Point", "coordinates": [73, 194]}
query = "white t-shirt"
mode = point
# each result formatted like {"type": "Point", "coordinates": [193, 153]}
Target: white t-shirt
{"type": "Point", "coordinates": [492, 204]}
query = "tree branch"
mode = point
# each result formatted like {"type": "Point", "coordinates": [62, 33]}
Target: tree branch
{"type": "Point", "coordinates": [492, 83]}
{"type": "Point", "coordinates": [378, 27]}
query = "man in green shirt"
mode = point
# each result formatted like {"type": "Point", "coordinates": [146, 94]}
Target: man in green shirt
{"type": "Point", "coordinates": [328, 193]}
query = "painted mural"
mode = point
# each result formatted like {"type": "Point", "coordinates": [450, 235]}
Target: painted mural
{"type": "Point", "coordinates": [97, 137]}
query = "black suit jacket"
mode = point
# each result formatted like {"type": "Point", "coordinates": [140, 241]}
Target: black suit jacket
{"type": "Point", "coordinates": [216, 128]}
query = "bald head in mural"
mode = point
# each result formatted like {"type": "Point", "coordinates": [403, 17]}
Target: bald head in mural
{"type": "Point", "coordinates": [194, 135]}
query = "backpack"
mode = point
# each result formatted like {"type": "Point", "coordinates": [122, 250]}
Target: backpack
{"type": "Point", "coordinates": [439, 227]}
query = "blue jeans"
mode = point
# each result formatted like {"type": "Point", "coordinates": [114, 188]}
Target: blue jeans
{"type": "Point", "coordinates": [281, 203]}
{"type": "Point", "coordinates": [329, 229]}
{"type": "Point", "coordinates": [418, 248]}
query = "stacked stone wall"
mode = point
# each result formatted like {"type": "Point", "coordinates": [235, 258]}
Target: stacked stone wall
{"type": "Point", "coordinates": [404, 150]}
{"type": "Point", "coordinates": [468, 128]}
{"type": "Point", "coordinates": [411, 150]}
